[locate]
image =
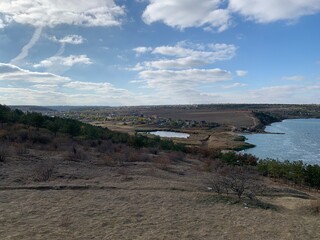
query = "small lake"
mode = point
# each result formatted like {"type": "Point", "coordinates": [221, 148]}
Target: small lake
{"type": "Point", "coordinates": [168, 134]}
{"type": "Point", "coordinates": [300, 141]}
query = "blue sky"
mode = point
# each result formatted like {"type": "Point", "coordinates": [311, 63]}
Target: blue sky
{"type": "Point", "coordinates": [147, 52]}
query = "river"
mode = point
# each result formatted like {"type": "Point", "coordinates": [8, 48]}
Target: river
{"type": "Point", "coordinates": [300, 141]}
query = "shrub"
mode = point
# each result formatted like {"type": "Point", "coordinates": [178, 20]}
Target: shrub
{"type": "Point", "coordinates": [40, 139]}
{"type": "Point", "coordinates": [76, 154]}
{"type": "Point", "coordinates": [3, 153]}
{"type": "Point", "coordinates": [176, 156]}
{"type": "Point", "coordinates": [238, 159]}
{"type": "Point", "coordinates": [239, 180]}
{"type": "Point", "coordinates": [163, 162]}
{"type": "Point", "coordinates": [22, 150]}
{"type": "Point", "coordinates": [315, 206]}
{"type": "Point", "coordinates": [43, 171]}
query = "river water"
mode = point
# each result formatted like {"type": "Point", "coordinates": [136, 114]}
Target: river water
{"type": "Point", "coordinates": [300, 141]}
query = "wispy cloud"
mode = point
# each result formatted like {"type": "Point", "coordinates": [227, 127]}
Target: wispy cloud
{"type": "Point", "coordinates": [42, 88]}
{"type": "Point", "coordinates": [241, 73]}
{"type": "Point", "coordinates": [2, 24]}
{"type": "Point", "coordinates": [185, 55]}
{"type": "Point", "coordinates": [70, 39]}
{"type": "Point", "coordinates": [294, 78]}
{"type": "Point", "coordinates": [64, 61]}
{"type": "Point", "coordinates": [12, 73]}
{"type": "Point", "coordinates": [182, 80]}
{"type": "Point", "coordinates": [25, 50]}
{"type": "Point", "coordinates": [234, 85]}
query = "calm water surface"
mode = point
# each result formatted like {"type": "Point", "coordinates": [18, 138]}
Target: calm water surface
{"type": "Point", "coordinates": [170, 134]}
{"type": "Point", "coordinates": [300, 141]}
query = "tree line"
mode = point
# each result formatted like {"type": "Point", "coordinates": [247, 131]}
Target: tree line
{"type": "Point", "coordinates": [78, 129]}
{"type": "Point", "coordinates": [296, 172]}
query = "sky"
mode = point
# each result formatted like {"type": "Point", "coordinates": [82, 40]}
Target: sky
{"type": "Point", "coordinates": [154, 52]}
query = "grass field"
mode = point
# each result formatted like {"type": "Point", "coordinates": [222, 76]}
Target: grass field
{"type": "Point", "coordinates": [85, 198]}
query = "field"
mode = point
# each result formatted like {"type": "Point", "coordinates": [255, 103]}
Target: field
{"type": "Point", "coordinates": [223, 117]}
{"type": "Point", "coordinates": [213, 126]}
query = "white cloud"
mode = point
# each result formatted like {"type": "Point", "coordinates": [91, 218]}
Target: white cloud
{"type": "Point", "coordinates": [187, 55]}
{"type": "Point", "coordinates": [141, 50]}
{"type": "Point", "coordinates": [188, 13]}
{"type": "Point", "coordinates": [21, 86]}
{"type": "Point", "coordinates": [51, 13]}
{"type": "Point", "coordinates": [184, 79]}
{"type": "Point", "coordinates": [11, 73]}
{"type": "Point", "coordinates": [173, 74]}
{"type": "Point", "coordinates": [217, 14]}
{"type": "Point", "coordinates": [69, 39]}
{"type": "Point", "coordinates": [314, 87]}
{"type": "Point", "coordinates": [294, 78]}
{"type": "Point", "coordinates": [241, 73]}
{"type": "Point", "coordinates": [274, 10]}
{"type": "Point", "coordinates": [2, 24]}
{"type": "Point", "coordinates": [234, 85]}
{"type": "Point", "coordinates": [69, 61]}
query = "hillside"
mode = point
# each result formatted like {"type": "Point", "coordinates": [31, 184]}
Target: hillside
{"type": "Point", "coordinates": [77, 181]}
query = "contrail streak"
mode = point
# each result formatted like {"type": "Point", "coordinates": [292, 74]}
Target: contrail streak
{"type": "Point", "coordinates": [25, 50]}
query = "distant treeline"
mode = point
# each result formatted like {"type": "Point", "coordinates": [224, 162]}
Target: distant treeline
{"type": "Point", "coordinates": [79, 129]}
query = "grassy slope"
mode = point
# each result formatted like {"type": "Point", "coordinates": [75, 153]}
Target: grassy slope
{"type": "Point", "coordinates": [91, 194]}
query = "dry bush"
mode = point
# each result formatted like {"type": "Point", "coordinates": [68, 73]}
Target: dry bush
{"type": "Point", "coordinates": [206, 152]}
{"type": "Point", "coordinates": [154, 151]}
{"type": "Point", "coordinates": [43, 171]}
{"type": "Point", "coordinates": [105, 147]}
{"type": "Point", "coordinates": [23, 136]}
{"type": "Point", "coordinates": [163, 162]}
{"type": "Point", "coordinates": [210, 165]}
{"type": "Point", "coordinates": [315, 206]}
{"type": "Point", "coordinates": [238, 180]}
{"type": "Point", "coordinates": [136, 155]}
{"type": "Point", "coordinates": [218, 184]}
{"type": "Point", "coordinates": [3, 152]}
{"type": "Point", "coordinates": [76, 154]}
{"type": "Point", "coordinates": [176, 156]}
{"type": "Point", "coordinates": [21, 150]}
{"type": "Point", "coordinates": [112, 160]}
{"type": "Point", "coordinates": [108, 161]}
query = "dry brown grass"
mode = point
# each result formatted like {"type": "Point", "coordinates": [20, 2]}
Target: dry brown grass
{"type": "Point", "coordinates": [164, 198]}
{"type": "Point", "coordinates": [142, 214]}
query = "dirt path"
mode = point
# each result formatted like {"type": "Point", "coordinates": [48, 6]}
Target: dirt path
{"type": "Point", "coordinates": [255, 122]}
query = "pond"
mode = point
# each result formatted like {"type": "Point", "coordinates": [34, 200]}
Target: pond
{"type": "Point", "coordinates": [169, 134]}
